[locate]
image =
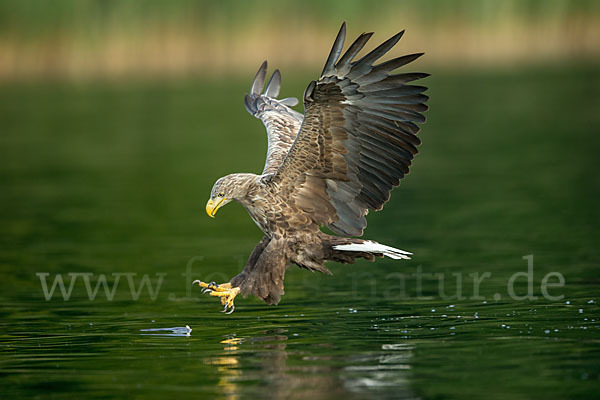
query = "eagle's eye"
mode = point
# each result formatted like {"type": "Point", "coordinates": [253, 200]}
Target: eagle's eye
{"type": "Point", "coordinates": [221, 194]}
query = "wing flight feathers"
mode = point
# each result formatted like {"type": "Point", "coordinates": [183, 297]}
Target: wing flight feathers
{"type": "Point", "coordinates": [282, 123]}
{"type": "Point", "coordinates": [358, 136]}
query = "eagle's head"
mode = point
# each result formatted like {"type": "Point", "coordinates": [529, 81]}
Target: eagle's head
{"type": "Point", "coordinates": [227, 188]}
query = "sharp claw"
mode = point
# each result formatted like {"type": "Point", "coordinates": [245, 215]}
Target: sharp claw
{"type": "Point", "coordinates": [223, 292]}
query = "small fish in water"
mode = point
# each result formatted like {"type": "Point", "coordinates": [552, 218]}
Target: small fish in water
{"type": "Point", "coordinates": [175, 331]}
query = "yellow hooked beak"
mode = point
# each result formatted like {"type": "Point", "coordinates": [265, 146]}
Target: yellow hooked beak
{"type": "Point", "coordinates": [212, 207]}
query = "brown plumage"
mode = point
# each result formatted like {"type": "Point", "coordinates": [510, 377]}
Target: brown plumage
{"type": "Point", "coordinates": [328, 168]}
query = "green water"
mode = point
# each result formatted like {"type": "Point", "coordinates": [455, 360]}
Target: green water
{"type": "Point", "coordinates": [112, 178]}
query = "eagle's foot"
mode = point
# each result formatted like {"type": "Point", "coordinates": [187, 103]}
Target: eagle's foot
{"type": "Point", "coordinates": [224, 291]}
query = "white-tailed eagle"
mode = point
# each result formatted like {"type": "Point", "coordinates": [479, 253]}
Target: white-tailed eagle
{"type": "Point", "coordinates": [328, 167]}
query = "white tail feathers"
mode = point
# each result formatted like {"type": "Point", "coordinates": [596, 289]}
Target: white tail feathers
{"type": "Point", "coordinates": [369, 246]}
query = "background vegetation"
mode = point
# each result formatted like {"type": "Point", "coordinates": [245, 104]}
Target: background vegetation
{"type": "Point", "coordinates": [80, 38]}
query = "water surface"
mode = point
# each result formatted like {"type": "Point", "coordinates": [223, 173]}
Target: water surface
{"type": "Point", "coordinates": [109, 181]}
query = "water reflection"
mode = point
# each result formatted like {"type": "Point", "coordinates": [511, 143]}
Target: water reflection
{"type": "Point", "coordinates": [388, 369]}
{"type": "Point", "coordinates": [286, 371]}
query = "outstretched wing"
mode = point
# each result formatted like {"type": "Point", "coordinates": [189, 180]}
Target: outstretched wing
{"type": "Point", "coordinates": [358, 136]}
{"type": "Point", "coordinates": [281, 121]}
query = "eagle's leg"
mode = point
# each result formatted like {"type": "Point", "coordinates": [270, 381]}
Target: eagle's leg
{"type": "Point", "coordinates": [224, 291]}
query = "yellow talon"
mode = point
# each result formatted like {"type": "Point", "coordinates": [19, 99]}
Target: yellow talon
{"type": "Point", "coordinates": [224, 291]}
{"type": "Point", "coordinates": [223, 286]}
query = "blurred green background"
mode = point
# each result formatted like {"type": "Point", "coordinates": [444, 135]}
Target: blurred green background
{"type": "Point", "coordinates": [83, 38]}
{"type": "Point", "coordinates": [116, 117]}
